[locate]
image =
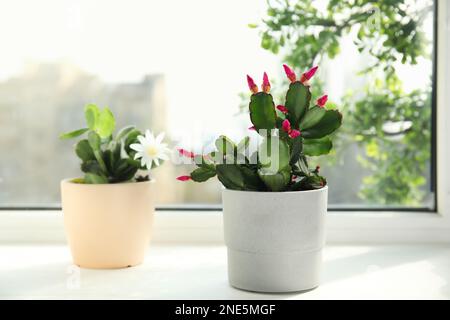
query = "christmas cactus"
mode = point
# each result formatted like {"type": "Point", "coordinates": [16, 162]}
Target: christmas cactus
{"type": "Point", "coordinates": [289, 134]}
{"type": "Point", "coordinates": [112, 159]}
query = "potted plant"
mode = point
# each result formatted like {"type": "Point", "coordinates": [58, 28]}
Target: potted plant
{"type": "Point", "coordinates": [108, 212]}
{"type": "Point", "coordinates": [274, 205]}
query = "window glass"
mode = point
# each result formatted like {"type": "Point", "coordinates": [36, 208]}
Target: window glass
{"type": "Point", "coordinates": [180, 66]}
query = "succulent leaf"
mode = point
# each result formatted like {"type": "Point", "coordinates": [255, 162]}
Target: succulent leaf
{"type": "Point", "coordinates": [106, 123]}
{"type": "Point", "coordinates": [91, 166]}
{"type": "Point", "coordinates": [130, 139]}
{"type": "Point", "coordinates": [73, 134]}
{"type": "Point", "coordinates": [126, 174]}
{"type": "Point", "coordinates": [84, 151]}
{"type": "Point", "coordinates": [92, 178]}
{"type": "Point", "coordinates": [243, 144]}
{"type": "Point", "coordinates": [273, 154]}
{"type": "Point", "coordinates": [124, 132]}
{"type": "Point", "coordinates": [94, 140]}
{"type": "Point", "coordinates": [91, 113]}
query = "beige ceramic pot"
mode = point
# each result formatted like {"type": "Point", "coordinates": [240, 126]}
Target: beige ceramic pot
{"type": "Point", "coordinates": [107, 225]}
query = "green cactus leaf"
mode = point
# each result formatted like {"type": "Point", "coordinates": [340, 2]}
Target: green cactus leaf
{"type": "Point", "coordinates": [73, 134]}
{"type": "Point", "coordinates": [278, 181]}
{"type": "Point", "coordinates": [252, 180]}
{"type": "Point", "coordinates": [296, 150]}
{"type": "Point", "coordinates": [331, 120]}
{"type": "Point", "coordinates": [317, 147]}
{"type": "Point", "coordinates": [298, 98]}
{"type": "Point", "coordinates": [84, 150]}
{"type": "Point", "coordinates": [231, 176]}
{"type": "Point", "coordinates": [202, 174]}
{"type": "Point", "coordinates": [262, 111]}
{"type": "Point", "coordinates": [312, 117]}
{"type": "Point", "coordinates": [95, 143]}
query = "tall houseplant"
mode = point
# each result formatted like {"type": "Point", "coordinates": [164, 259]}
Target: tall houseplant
{"type": "Point", "coordinates": [108, 212]}
{"type": "Point", "coordinates": [274, 205]}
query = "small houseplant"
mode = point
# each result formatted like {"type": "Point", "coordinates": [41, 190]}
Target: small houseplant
{"type": "Point", "coordinates": [274, 205]}
{"type": "Point", "coordinates": [108, 212]}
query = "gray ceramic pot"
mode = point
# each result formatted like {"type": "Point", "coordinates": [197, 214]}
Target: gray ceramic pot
{"type": "Point", "coordinates": [274, 239]}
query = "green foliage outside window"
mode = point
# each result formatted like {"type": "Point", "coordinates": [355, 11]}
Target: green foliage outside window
{"type": "Point", "coordinates": [389, 31]}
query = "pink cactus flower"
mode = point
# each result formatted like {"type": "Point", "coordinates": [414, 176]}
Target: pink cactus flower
{"type": "Point", "coordinates": [322, 101]}
{"type": "Point", "coordinates": [186, 153]}
{"type": "Point", "coordinates": [266, 84]}
{"type": "Point", "coordinates": [294, 134]}
{"type": "Point", "coordinates": [251, 84]}
{"type": "Point", "coordinates": [252, 128]}
{"type": "Point", "coordinates": [184, 178]}
{"type": "Point", "coordinates": [286, 126]}
{"type": "Point", "coordinates": [282, 108]}
{"type": "Point", "coordinates": [289, 73]}
{"type": "Point", "coordinates": [308, 75]}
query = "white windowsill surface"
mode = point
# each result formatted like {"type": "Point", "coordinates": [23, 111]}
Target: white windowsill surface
{"type": "Point", "coordinates": [200, 272]}
{"type": "Point", "coordinates": [187, 260]}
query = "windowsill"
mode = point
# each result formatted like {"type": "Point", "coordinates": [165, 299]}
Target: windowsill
{"type": "Point", "coordinates": [199, 272]}
{"type": "Point", "coordinates": [365, 257]}
{"type": "Point", "coordinates": [205, 227]}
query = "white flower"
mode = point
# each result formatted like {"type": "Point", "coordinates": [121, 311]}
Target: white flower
{"type": "Point", "coordinates": [150, 149]}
